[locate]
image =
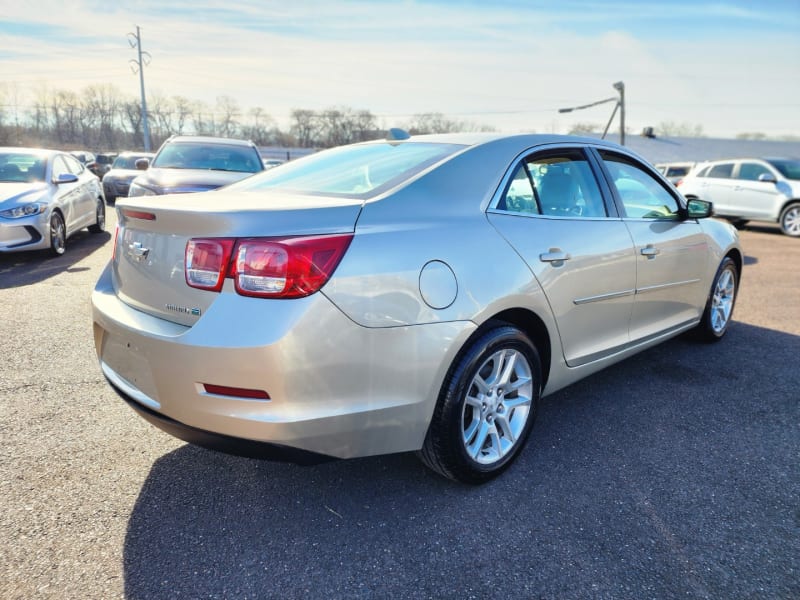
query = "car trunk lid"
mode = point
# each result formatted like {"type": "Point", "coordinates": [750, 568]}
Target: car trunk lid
{"type": "Point", "coordinates": [153, 232]}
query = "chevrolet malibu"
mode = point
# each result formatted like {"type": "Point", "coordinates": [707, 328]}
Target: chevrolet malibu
{"type": "Point", "coordinates": [45, 197]}
{"type": "Point", "coordinates": [410, 294]}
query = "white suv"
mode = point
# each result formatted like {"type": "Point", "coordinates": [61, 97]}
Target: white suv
{"type": "Point", "coordinates": [750, 189]}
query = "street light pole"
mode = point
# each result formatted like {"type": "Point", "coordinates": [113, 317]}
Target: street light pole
{"type": "Point", "coordinates": [619, 105]}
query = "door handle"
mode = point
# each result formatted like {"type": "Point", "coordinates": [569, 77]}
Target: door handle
{"type": "Point", "coordinates": [650, 251]}
{"type": "Point", "coordinates": [554, 255]}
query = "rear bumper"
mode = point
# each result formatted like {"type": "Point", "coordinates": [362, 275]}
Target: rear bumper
{"type": "Point", "coordinates": [220, 442]}
{"type": "Point", "coordinates": [335, 388]}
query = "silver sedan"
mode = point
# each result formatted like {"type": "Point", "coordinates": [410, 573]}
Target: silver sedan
{"type": "Point", "coordinates": [410, 294]}
{"type": "Point", "coordinates": [45, 197]}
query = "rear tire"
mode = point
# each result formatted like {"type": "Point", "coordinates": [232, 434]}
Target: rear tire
{"type": "Point", "coordinates": [719, 308]}
{"type": "Point", "coordinates": [486, 408]}
{"type": "Point", "coordinates": [790, 220]}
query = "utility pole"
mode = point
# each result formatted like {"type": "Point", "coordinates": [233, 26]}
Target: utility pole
{"type": "Point", "coordinates": [620, 87]}
{"type": "Point", "coordinates": [135, 41]}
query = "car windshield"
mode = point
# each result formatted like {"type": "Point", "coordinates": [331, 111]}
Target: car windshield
{"type": "Point", "coordinates": [21, 167]}
{"type": "Point", "coordinates": [126, 162]}
{"type": "Point", "coordinates": [215, 157]}
{"type": "Point", "coordinates": [788, 168]}
{"type": "Point", "coordinates": [359, 170]}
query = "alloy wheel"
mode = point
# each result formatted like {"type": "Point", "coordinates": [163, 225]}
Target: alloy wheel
{"type": "Point", "coordinates": [497, 406]}
{"type": "Point", "coordinates": [722, 300]}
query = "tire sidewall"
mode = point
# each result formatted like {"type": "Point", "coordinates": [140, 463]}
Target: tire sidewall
{"type": "Point", "coordinates": [726, 265]}
{"type": "Point", "coordinates": [457, 385]}
{"type": "Point", "coordinates": [790, 207]}
{"type": "Point", "coordinates": [55, 219]}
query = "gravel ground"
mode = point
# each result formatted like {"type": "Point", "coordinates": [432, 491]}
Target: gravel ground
{"type": "Point", "coordinates": [672, 474]}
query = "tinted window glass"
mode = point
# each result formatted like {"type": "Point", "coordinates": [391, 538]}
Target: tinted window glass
{"type": "Point", "coordinates": [519, 196]}
{"type": "Point", "coordinates": [703, 172]}
{"type": "Point", "coordinates": [788, 168]}
{"type": "Point", "coordinates": [555, 184]}
{"type": "Point", "coordinates": [73, 164]}
{"type": "Point", "coordinates": [722, 170]}
{"type": "Point", "coordinates": [215, 157]}
{"type": "Point", "coordinates": [751, 171]}
{"type": "Point", "coordinates": [642, 195]}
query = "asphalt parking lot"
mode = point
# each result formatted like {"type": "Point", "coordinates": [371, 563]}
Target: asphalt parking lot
{"type": "Point", "coordinates": [672, 474]}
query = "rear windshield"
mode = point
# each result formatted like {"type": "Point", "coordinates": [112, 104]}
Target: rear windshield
{"type": "Point", "coordinates": [360, 170]}
{"type": "Point", "coordinates": [788, 168]}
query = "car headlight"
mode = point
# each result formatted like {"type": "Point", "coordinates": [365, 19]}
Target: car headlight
{"type": "Point", "coordinates": [139, 190]}
{"type": "Point", "coordinates": [24, 210]}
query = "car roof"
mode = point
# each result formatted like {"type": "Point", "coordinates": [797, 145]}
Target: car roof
{"type": "Point", "coordinates": [207, 139]}
{"type": "Point", "coordinates": [36, 151]}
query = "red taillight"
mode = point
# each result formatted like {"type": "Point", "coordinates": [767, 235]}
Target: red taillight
{"type": "Point", "coordinates": [206, 262]}
{"type": "Point", "coordinates": [288, 267]}
{"type": "Point", "coordinates": [265, 267]}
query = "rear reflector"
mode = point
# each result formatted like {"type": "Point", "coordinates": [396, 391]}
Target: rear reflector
{"type": "Point", "coordinates": [138, 214]}
{"type": "Point", "coordinates": [224, 390]}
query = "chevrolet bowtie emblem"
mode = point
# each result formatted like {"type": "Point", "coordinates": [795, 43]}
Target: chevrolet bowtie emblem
{"type": "Point", "coordinates": [138, 252]}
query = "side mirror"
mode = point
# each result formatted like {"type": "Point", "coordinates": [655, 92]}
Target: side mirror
{"type": "Point", "coordinates": [65, 178]}
{"type": "Point", "coordinates": [142, 164]}
{"type": "Point", "coordinates": [767, 178]}
{"type": "Point", "coordinates": [698, 209]}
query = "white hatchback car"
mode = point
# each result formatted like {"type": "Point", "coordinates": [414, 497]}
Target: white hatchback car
{"type": "Point", "coordinates": [750, 189]}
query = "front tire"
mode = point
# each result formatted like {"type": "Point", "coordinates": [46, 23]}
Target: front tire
{"type": "Point", "coordinates": [719, 308]}
{"type": "Point", "coordinates": [486, 408]}
{"type": "Point", "coordinates": [58, 235]}
{"type": "Point", "coordinates": [790, 220]}
{"type": "Point", "coordinates": [100, 216]}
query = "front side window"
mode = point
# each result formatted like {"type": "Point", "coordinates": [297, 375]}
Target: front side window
{"type": "Point", "coordinates": [59, 167]}
{"type": "Point", "coordinates": [752, 171]}
{"type": "Point", "coordinates": [554, 184]}
{"type": "Point", "coordinates": [642, 195]}
{"type": "Point", "coordinates": [73, 165]}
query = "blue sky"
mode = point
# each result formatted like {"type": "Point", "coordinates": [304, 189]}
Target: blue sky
{"type": "Point", "coordinates": [730, 67]}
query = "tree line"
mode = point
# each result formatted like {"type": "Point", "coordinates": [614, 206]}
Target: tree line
{"type": "Point", "coordinates": [102, 118]}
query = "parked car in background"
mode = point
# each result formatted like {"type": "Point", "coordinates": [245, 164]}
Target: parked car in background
{"type": "Point", "coordinates": [414, 293]}
{"type": "Point", "coordinates": [45, 197]}
{"type": "Point", "coordinates": [270, 163]}
{"type": "Point", "coordinates": [101, 163]}
{"type": "Point", "coordinates": [196, 164]}
{"type": "Point", "coordinates": [84, 156]}
{"type": "Point", "coordinates": [750, 189]}
{"type": "Point", "coordinates": [117, 180]}
{"type": "Point", "coordinates": [675, 171]}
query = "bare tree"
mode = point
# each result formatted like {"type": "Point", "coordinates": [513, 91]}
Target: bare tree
{"type": "Point", "coordinates": [229, 112]}
{"type": "Point", "coordinates": [304, 127]}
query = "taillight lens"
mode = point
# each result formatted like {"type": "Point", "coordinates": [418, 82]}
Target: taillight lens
{"type": "Point", "coordinates": [265, 267]}
{"type": "Point", "coordinates": [206, 262]}
{"type": "Point", "coordinates": [114, 248]}
{"type": "Point", "coordinates": [288, 267]}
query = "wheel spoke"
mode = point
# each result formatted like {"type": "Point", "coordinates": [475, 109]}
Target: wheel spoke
{"type": "Point", "coordinates": [470, 431]}
{"type": "Point", "coordinates": [504, 427]}
{"type": "Point", "coordinates": [514, 403]}
{"type": "Point", "coordinates": [510, 359]}
{"type": "Point", "coordinates": [474, 449]}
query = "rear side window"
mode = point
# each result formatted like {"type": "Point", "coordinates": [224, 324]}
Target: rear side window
{"type": "Point", "coordinates": [556, 184]}
{"type": "Point", "coordinates": [642, 195]}
{"type": "Point", "coordinates": [722, 171]}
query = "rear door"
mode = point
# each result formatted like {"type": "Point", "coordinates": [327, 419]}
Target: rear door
{"type": "Point", "coordinates": [671, 252]}
{"type": "Point", "coordinates": [754, 199]}
{"type": "Point", "coordinates": [552, 211]}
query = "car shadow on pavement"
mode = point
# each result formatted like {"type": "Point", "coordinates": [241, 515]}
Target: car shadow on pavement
{"type": "Point", "coordinates": [27, 268]}
{"type": "Point", "coordinates": [673, 473]}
